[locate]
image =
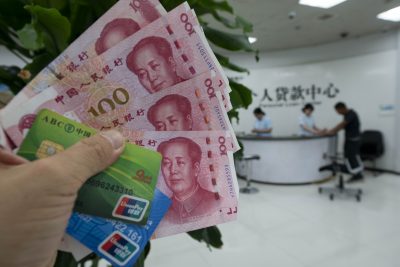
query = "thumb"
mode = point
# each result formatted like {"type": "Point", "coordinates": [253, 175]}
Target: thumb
{"type": "Point", "coordinates": [88, 157]}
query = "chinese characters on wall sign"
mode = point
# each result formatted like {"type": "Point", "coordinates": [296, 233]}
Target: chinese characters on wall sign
{"type": "Point", "coordinates": [283, 96]}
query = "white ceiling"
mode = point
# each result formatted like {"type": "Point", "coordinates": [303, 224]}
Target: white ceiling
{"type": "Point", "coordinates": [275, 31]}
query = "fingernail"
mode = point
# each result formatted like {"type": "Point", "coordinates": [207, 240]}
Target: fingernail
{"type": "Point", "coordinates": [115, 138]}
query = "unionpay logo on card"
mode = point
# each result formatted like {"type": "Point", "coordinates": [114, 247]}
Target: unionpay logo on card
{"type": "Point", "coordinates": [119, 248]}
{"type": "Point", "coordinates": [131, 208]}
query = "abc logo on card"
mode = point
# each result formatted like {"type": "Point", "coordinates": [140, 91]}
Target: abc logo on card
{"type": "Point", "coordinates": [130, 208]}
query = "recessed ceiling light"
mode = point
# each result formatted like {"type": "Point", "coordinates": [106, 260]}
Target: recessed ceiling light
{"type": "Point", "coordinates": [392, 14]}
{"type": "Point", "coordinates": [321, 3]}
{"type": "Point", "coordinates": [252, 40]}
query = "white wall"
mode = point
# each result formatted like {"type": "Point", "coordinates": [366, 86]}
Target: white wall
{"type": "Point", "coordinates": [364, 70]}
{"type": "Point", "coordinates": [397, 131]}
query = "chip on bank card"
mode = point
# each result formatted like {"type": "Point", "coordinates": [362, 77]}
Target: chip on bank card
{"type": "Point", "coordinates": [119, 243]}
{"type": "Point", "coordinates": [123, 191]}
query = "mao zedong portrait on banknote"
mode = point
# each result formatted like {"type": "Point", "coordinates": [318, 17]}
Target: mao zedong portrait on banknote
{"type": "Point", "coordinates": [180, 168]}
{"type": "Point", "coordinates": [114, 32]}
{"type": "Point", "coordinates": [153, 62]}
{"type": "Point", "coordinates": [120, 28]}
{"type": "Point", "coordinates": [171, 113]}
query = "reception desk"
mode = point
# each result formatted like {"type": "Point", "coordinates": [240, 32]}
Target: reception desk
{"type": "Point", "coordinates": [287, 160]}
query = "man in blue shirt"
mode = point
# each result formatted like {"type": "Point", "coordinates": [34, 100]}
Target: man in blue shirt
{"type": "Point", "coordinates": [263, 124]}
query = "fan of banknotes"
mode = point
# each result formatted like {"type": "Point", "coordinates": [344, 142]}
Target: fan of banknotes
{"type": "Point", "coordinates": [152, 75]}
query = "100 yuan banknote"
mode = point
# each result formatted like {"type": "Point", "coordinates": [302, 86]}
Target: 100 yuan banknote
{"type": "Point", "coordinates": [124, 19]}
{"type": "Point", "coordinates": [169, 51]}
{"type": "Point", "coordinates": [198, 173]}
{"type": "Point", "coordinates": [193, 105]}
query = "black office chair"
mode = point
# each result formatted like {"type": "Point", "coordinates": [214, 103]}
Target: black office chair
{"type": "Point", "coordinates": [372, 147]}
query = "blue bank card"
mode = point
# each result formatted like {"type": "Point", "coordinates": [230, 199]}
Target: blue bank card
{"type": "Point", "coordinates": [116, 241]}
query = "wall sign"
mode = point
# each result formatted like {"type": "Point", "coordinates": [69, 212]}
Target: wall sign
{"type": "Point", "coordinates": [283, 96]}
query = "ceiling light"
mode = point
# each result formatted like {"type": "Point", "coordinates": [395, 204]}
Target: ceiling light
{"type": "Point", "coordinates": [321, 3]}
{"type": "Point", "coordinates": [252, 40]}
{"type": "Point", "coordinates": [392, 14]}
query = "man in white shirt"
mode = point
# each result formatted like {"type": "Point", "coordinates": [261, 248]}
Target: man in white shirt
{"type": "Point", "coordinates": [263, 124]}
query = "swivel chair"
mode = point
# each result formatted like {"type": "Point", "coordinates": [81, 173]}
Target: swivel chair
{"type": "Point", "coordinates": [372, 147]}
{"type": "Point", "coordinates": [338, 168]}
{"type": "Point", "coordinates": [248, 159]}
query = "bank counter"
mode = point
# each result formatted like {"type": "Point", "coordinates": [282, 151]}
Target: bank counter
{"type": "Point", "coordinates": [287, 160]}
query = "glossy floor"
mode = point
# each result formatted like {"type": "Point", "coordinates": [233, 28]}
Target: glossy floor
{"type": "Point", "coordinates": [284, 226]}
{"type": "Point", "coordinates": [295, 226]}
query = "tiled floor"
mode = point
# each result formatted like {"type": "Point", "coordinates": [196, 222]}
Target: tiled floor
{"type": "Point", "coordinates": [295, 226]}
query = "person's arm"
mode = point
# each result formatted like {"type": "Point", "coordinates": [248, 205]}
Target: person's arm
{"type": "Point", "coordinates": [308, 129]}
{"type": "Point", "coordinates": [267, 127]}
{"type": "Point", "coordinates": [303, 125]}
{"type": "Point", "coordinates": [269, 130]}
{"type": "Point", "coordinates": [36, 198]}
{"type": "Point", "coordinates": [321, 131]}
{"type": "Point", "coordinates": [337, 128]}
{"type": "Point", "coordinates": [317, 129]}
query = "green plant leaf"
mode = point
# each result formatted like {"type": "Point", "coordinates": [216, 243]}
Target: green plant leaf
{"type": "Point", "coordinates": [54, 28]}
{"type": "Point", "coordinates": [57, 4]}
{"type": "Point", "coordinates": [229, 41]}
{"type": "Point", "coordinates": [244, 24]}
{"type": "Point", "coordinates": [171, 4]}
{"type": "Point", "coordinates": [81, 17]}
{"type": "Point", "coordinates": [38, 63]}
{"type": "Point", "coordinates": [216, 5]}
{"type": "Point", "coordinates": [225, 62]}
{"type": "Point", "coordinates": [29, 38]}
{"type": "Point", "coordinates": [233, 114]}
{"type": "Point", "coordinates": [82, 14]}
{"type": "Point", "coordinates": [238, 23]}
{"type": "Point", "coordinates": [12, 13]}
{"type": "Point", "coordinates": [240, 153]}
{"type": "Point", "coordinates": [8, 38]}
{"type": "Point", "coordinates": [210, 235]}
{"type": "Point", "coordinates": [101, 8]}
{"type": "Point", "coordinates": [241, 96]}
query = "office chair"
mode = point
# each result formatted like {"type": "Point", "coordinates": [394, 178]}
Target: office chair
{"type": "Point", "coordinates": [338, 168]}
{"type": "Point", "coordinates": [372, 147]}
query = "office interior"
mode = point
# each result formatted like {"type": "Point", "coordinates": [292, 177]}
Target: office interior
{"type": "Point", "coordinates": [321, 56]}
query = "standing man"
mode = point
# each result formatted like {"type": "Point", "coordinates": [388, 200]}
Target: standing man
{"type": "Point", "coordinates": [263, 124]}
{"type": "Point", "coordinates": [351, 125]}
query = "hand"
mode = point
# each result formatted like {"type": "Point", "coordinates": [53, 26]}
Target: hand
{"type": "Point", "coordinates": [329, 132]}
{"type": "Point", "coordinates": [323, 132]}
{"type": "Point", "coordinates": [36, 198]}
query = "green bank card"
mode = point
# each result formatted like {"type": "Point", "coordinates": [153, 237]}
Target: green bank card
{"type": "Point", "coordinates": [123, 191]}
